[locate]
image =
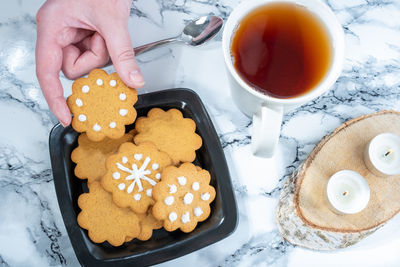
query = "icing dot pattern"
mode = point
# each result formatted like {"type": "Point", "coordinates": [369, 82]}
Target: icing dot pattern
{"type": "Point", "coordinates": [100, 97]}
{"type": "Point", "coordinates": [185, 198]}
{"type": "Point", "coordinates": [185, 217]}
{"type": "Point", "coordinates": [169, 200]}
{"type": "Point", "coordinates": [138, 156]}
{"type": "Point", "coordinates": [196, 186]}
{"type": "Point", "coordinates": [188, 199]}
{"type": "Point", "coordinates": [116, 175]}
{"type": "Point", "coordinates": [122, 96]}
{"type": "Point", "coordinates": [149, 192]}
{"type": "Point", "coordinates": [182, 180]}
{"type": "Point", "coordinates": [79, 102]}
{"type": "Point", "coordinates": [123, 112]}
{"type": "Point", "coordinates": [173, 216]}
{"type": "Point", "coordinates": [155, 166]}
{"type": "Point", "coordinates": [113, 83]}
{"type": "Point", "coordinates": [133, 165]}
{"type": "Point", "coordinates": [112, 124]}
{"type": "Point", "coordinates": [198, 211]}
{"type": "Point", "coordinates": [172, 189]}
{"type": "Point", "coordinates": [121, 186]}
{"type": "Point", "coordinates": [96, 127]}
{"type": "Point", "coordinates": [82, 117]}
{"type": "Point", "coordinates": [205, 196]}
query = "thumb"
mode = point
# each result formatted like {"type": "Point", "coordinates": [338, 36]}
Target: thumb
{"type": "Point", "coordinates": [120, 48]}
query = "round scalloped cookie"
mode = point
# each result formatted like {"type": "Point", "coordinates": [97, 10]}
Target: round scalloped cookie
{"type": "Point", "coordinates": [102, 105]}
{"type": "Point", "coordinates": [170, 132]}
{"type": "Point", "coordinates": [147, 224]}
{"type": "Point", "coordinates": [104, 220]}
{"type": "Point", "coordinates": [183, 197]}
{"type": "Point", "coordinates": [90, 157]}
{"type": "Point", "coordinates": [131, 174]}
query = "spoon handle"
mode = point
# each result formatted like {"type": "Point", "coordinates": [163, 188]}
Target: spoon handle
{"type": "Point", "coordinates": [147, 47]}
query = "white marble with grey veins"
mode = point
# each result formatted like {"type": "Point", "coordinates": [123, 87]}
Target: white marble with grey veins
{"type": "Point", "coordinates": [32, 232]}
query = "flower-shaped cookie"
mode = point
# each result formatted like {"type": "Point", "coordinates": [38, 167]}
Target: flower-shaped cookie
{"type": "Point", "coordinates": [147, 224]}
{"type": "Point", "coordinates": [102, 105]}
{"type": "Point", "coordinates": [170, 132]}
{"type": "Point", "coordinates": [90, 157]}
{"type": "Point", "coordinates": [104, 220]}
{"type": "Point", "coordinates": [132, 173]}
{"type": "Point", "coordinates": [183, 197]}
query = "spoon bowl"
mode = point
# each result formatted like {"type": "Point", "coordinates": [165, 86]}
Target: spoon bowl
{"type": "Point", "coordinates": [201, 30]}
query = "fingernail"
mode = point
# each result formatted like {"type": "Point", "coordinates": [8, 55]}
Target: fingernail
{"type": "Point", "coordinates": [64, 124]}
{"type": "Point", "coordinates": [136, 78]}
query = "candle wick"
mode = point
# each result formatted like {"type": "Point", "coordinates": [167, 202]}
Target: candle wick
{"type": "Point", "coordinates": [344, 193]}
{"type": "Point", "coordinates": [390, 151]}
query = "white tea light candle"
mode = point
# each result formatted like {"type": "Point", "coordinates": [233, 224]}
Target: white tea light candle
{"type": "Point", "coordinates": [348, 192]}
{"type": "Point", "coordinates": [382, 155]}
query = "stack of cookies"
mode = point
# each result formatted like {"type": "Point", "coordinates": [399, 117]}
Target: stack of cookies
{"type": "Point", "coordinates": [141, 180]}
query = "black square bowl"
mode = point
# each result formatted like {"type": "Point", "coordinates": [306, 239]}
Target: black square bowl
{"type": "Point", "coordinates": [163, 245]}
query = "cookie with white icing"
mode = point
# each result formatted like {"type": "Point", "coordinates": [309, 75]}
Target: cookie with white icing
{"type": "Point", "coordinates": [102, 105]}
{"type": "Point", "coordinates": [170, 132]}
{"type": "Point", "coordinates": [132, 173]}
{"type": "Point", "coordinates": [90, 157]}
{"type": "Point", "coordinates": [183, 197]}
{"type": "Point", "coordinates": [104, 220]}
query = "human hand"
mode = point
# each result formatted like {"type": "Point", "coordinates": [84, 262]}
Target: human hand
{"type": "Point", "coordinates": [76, 36]}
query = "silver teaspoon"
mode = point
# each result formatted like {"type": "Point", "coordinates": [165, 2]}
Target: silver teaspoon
{"type": "Point", "coordinates": [196, 32]}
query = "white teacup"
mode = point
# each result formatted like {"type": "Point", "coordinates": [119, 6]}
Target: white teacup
{"type": "Point", "coordinates": [267, 111]}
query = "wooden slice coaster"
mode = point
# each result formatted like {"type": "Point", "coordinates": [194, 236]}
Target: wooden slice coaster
{"type": "Point", "coordinates": [304, 216]}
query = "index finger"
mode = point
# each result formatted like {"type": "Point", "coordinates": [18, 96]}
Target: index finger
{"type": "Point", "coordinates": [48, 66]}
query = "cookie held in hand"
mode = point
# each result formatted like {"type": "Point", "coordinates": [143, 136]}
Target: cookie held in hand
{"type": "Point", "coordinates": [170, 132]}
{"type": "Point", "coordinates": [132, 173]}
{"type": "Point", "coordinates": [102, 105]}
{"type": "Point", "coordinates": [183, 197]}
{"type": "Point", "coordinates": [104, 220]}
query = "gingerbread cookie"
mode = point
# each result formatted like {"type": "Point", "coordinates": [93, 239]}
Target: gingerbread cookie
{"type": "Point", "coordinates": [183, 197]}
{"type": "Point", "coordinates": [90, 157]}
{"type": "Point", "coordinates": [170, 132]}
{"type": "Point", "coordinates": [129, 239]}
{"type": "Point", "coordinates": [102, 105]}
{"type": "Point", "coordinates": [147, 224]}
{"type": "Point", "coordinates": [104, 220]}
{"type": "Point", "coordinates": [132, 173]}
{"type": "Point", "coordinates": [133, 132]}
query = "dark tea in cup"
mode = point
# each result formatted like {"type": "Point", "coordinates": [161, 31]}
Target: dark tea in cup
{"type": "Point", "coordinates": [282, 50]}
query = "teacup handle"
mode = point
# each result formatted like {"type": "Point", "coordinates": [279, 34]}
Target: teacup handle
{"type": "Point", "coordinates": [266, 130]}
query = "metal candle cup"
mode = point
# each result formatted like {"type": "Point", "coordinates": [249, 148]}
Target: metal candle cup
{"type": "Point", "coordinates": [347, 192]}
{"type": "Point", "coordinates": [382, 155]}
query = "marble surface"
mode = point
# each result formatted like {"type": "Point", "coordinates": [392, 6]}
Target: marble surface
{"type": "Point", "coordinates": [32, 232]}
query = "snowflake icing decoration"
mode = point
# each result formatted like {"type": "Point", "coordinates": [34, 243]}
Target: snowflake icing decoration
{"type": "Point", "coordinates": [137, 175]}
